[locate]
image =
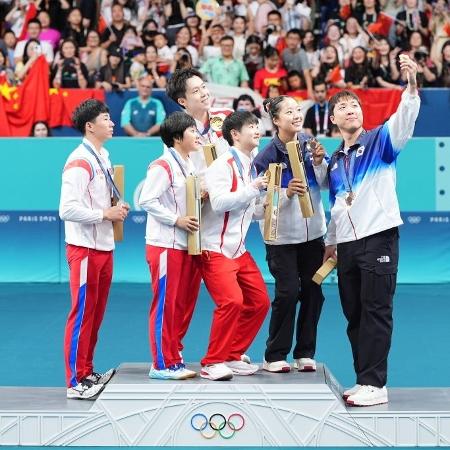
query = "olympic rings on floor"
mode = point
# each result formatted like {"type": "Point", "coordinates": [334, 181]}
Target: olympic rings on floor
{"type": "Point", "coordinates": [217, 424]}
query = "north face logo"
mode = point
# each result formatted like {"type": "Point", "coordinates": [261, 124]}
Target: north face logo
{"type": "Point", "coordinates": [384, 259]}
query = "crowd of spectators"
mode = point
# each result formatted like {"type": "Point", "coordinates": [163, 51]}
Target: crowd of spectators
{"type": "Point", "coordinates": [271, 46]}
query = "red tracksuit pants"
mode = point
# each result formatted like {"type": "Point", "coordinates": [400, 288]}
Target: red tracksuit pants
{"type": "Point", "coordinates": [242, 302]}
{"type": "Point", "coordinates": [90, 280]}
{"type": "Point", "coordinates": [175, 283]}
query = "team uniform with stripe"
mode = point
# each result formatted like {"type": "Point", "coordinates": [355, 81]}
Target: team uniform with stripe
{"type": "Point", "coordinates": [294, 257]}
{"type": "Point", "coordinates": [90, 243]}
{"type": "Point", "coordinates": [174, 274]}
{"type": "Point", "coordinates": [365, 216]}
{"type": "Point", "coordinates": [228, 270]}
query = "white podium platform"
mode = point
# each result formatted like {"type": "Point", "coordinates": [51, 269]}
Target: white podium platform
{"type": "Point", "coordinates": [294, 409]}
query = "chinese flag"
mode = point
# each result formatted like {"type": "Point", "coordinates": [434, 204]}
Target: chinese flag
{"type": "Point", "coordinates": [447, 28]}
{"type": "Point", "coordinates": [30, 14]}
{"type": "Point", "coordinates": [28, 103]}
{"type": "Point", "coordinates": [382, 26]}
{"type": "Point", "coordinates": [335, 75]}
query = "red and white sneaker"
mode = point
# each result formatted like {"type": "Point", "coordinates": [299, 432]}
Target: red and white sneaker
{"type": "Point", "coordinates": [277, 366]}
{"type": "Point", "coordinates": [368, 396]}
{"type": "Point", "coordinates": [216, 372]}
{"type": "Point", "coordinates": [305, 365]}
{"type": "Point", "coordinates": [346, 394]}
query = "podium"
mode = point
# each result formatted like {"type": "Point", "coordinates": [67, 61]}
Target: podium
{"type": "Point", "coordinates": [290, 409]}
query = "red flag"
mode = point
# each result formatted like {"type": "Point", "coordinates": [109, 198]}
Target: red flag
{"type": "Point", "coordinates": [335, 75]}
{"type": "Point", "coordinates": [28, 103]}
{"type": "Point", "coordinates": [447, 28]}
{"type": "Point", "coordinates": [382, 26]}
{"type": "Point", "coordinates": [30, 14]}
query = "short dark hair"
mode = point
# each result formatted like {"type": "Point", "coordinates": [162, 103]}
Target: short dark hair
{"type": "Point", "coordinates": [176, 86]}
{"type": "Point", "coordinates": [41, 122]}
{"type": "Point", "coordinates": [243, 97]}
{"type": "Point", "coordinates": [295, 31]}
{"type": "Point", "coordinates": [318, 81]}
{"type": "Point", "coordinates": [34, 20]}
{"type": "Point", "coordinates": [294, 73]}
{"type": "Point", "coordinates": [336, 98]}
{"type": "Point", "coordinates": [236, 121]}
{"type": "Point", "coordinates": [270, 51]}
{"type": "Point", "coordinates": [174, 126]}
{"type": "Point", "coordinates": [274, 12]}
{"type": "Point", "coordinates": [226, 38]}
{"type": "Point", "coordinates": [87, 111]}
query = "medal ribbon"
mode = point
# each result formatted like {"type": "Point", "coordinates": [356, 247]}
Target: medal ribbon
{"type": "Point", "coordinates": [347, 173]}
{"type": "Point", "coordinates": [175, 157]}
{"type": "Point", "coordinates": [325, 119]}
{"type": "Point", "coordinates": [240, 167]}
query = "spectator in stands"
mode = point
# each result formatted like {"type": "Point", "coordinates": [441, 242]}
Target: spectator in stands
{"type": "Point", "coordinates": [40, 129]}
{"type": "Point", "coordinates": [137, 69]}
{"type": "Point", "coordinates": [274, 32]}
{"type": "Point", "coordinates": [176, 12]}
{"type": "Point", "coordinates": [74, 29]}
{"type": "Point", "coordinates": [245, 102]}
{"type": "Point", "coordinates": [358, 74]}
{"type": "Point", "coordinates": [271, 74]}
{"type": "Point", "coordinates": [443, 65]}
{"type": "Point", "coordinates": [151, 65]}
{"type": "Point", "coordinates": [93, 56]}
{"type": "Point", "coordinates": [33, 32]}
{"type": "Point", "coordinates": [353, 37]}
{"type": "Point", "coordinates": [295, 85]}
{"type": "Point", "coordinates": [48, 34]}
{"type": "Point", "coordinates": [335, 132]}
{"type": "Point", "coordinates": [260, 15]}
{"type": "Point", "coordinates": [165, 56]}
{"type": "Point", "coordinates": [439, 27]}
{"type": "Point", "coordinates": [368, 13]}
{"type": "Point", "coordinates": [415, 43]}
{"type": "Point", "coordinates": [149, 30]}
{"type": "Point", "coordinates": [409, 20]}
{"type": "Point", "coordinates": [427, 72]}
{"type": "Point", "coordinates": [181, 60]}
{"type": "Point", "coordinates": [310, 47]}
{"type": "Point", "coordinates": [273, 91]}
{"type": "Point", "coordinates": [253, 57]}
{"type": "Point", "coordinates": [384, 65]}
{"type": "Point", "coordinates": [294, 58]}
{"type": "Point", "coordinates": [115, 32]}
{"type": "Point", "coordinates": [131, 40]}
{"type": "Point", "coordinates": [333, 37]}
{"type": "Point", "coordinates": [89, 11]}
{"type": "Point", "coordinates": [330, 69]}
{"type": "Point", "coordinates": [296, 15]}
{"type": "Point", "coordinates": [225, 69]}
{"type": "Point", "coordinates": [8, 44]}
{"type": "Point", "coordinates": [193, 22]}
{"type": "Point", "coordinates": [210, 44]}
{"type": "Point", "coordinates": [68, 71]}
{"type": "Point", "coordinates": [114, 76]}
{"type": "Point", "coordinates": [183, 40]}
{"type": "Point", "coordinates": [142, 115]}
{"type": "Point", "coordinates": [239, 35]}
{"type": "Point", "coordinates": [155, 10]}
{"type": "Point", "coordinates": [16, 17]}
{"type": "Point", "coordinates": [6, 73]}
{"type": "Point", "coordinates": [128, 7]}
{"type": "Point", "coordinates": [317, 118]}
{"type": "Point", "coordinates": [58, 11]}
{"type": "Point", "coordinates": [31, 53]}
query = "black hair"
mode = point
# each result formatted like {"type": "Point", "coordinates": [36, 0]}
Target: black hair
{"type": "Point", "coordinates": [253, 39]}
{"type": "Point", "coordinates": [236, 121]}
{"type": "Point", "coordinates": [240, 17]}
{"type": "Point", "coordinates": [273, 106]}
{"type": "Point", "coordinates": [42, 122]}
{"type": "Point", "coordinates": [34, 20]}
{"type": "Point", "coordinates": [25, 57]}
{"type": "Point", "coordinates": [226, 38]}
{"type": "Point", "coordinates": [336, 98]}
{"type": "Point", "coordinates": [65, 41]}
{"type": "Point", "coordinates": [273, 12]}
{"type": "Point", "coordinates": [270, 51]}
{"type": "Point", "coordinates": [176, 86]}
{"type": "Point", "coordinates": [244, 97]}
{"type": "Point", "coordinates": [318, 81]}
{"type": "Point", "coordinates": [295, 31]}
{"type": "Point", "coordinates": [174, 126]}
{"type": "Point", "coordinates": [294, 73]}
{"type": "Point", "coordinates": [87, 111]}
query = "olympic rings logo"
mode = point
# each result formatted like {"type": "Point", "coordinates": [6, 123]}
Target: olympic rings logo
{"type": "Point", "coordinates": [217, 424]}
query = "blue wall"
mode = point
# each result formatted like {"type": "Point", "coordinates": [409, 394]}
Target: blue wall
{"type": "Point", "coordinates": [31, 234]}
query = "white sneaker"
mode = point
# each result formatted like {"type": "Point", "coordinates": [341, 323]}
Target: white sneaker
{"type": "Point", "coordinates": [245, 358]}
{"type": "Point", "coordinates": [216, 372]}
{"type": "Point", "coordinates": [187, 372]}
{"type": "Point", "coordinates": [101, 378]}
{"type": "Point", "coordinates": [85, 389]}
{"type": "Point", "coordinates": [368, 396]}
{"type": "Point", "coordinates": [305, 365]}
{"type": "Point", "coordinates": [242, 368]}
{"type": "Point", "coordinates": [351, 391]}
{"type": "Point", "coordinates": [174, 372]}
{"type": "Point", "coordinates": [276, 366]}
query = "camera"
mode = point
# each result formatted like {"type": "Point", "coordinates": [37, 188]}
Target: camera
{"type": "Point", "coordinates": [270, 29]}
{"type": "Point", "coordinates": [420, 57]}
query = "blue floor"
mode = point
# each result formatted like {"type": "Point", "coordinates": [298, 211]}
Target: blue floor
{"type": "Point", "coordinates": [32, 318]}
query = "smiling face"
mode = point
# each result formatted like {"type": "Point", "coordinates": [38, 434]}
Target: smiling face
{"type": "Point", "coordinates": [68, 50]}
{"type": "Point", "coordinates": [248, 138]}
{"type": "Point", "coordinates": [197, 99]}
{"type": "Point", "coordinates": [358, 55]}
{"type": "Point", "coordinates": [290, 117]}
{"type": "Point", "coordinates": [191, 141]}
{"type": "Point", "coordinates": [183, 37]}
{"type": "Point", "coordinates": [347, 114]}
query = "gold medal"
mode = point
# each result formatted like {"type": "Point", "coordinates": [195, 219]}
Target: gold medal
{"type": "Point", "coordinates": [349, 199]}
{"type": "Point", "coordinates": [216, 123]}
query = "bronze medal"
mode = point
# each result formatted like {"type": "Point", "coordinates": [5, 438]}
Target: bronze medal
{"type": "Point", "coordinates": [349, 199]}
